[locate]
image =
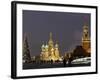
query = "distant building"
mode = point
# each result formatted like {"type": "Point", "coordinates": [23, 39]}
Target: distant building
{"type": "Point", "coordinates": [86, 42]}
{"type": "Point", "coordinates": [50, 51]}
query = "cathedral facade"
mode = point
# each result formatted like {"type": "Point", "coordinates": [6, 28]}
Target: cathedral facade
{"type": "Point", "coordinates": [50, 51]}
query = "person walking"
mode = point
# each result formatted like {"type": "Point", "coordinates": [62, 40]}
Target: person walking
{"type": "Point", "coordinates": [64, 62]}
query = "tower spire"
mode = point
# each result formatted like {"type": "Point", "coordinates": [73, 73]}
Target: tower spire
{"type": "Point", "coordinates": [50, 35]}
{"type": "Point", "coordinates": [86, 20]}
{"type": "Point", "coordinates": [50, 43]}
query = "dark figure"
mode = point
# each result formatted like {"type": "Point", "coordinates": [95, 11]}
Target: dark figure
{"type": "Point", "coordinates": [69, 62]}
{"type": "Point", "coordinates": [64, 62]}
{"type": "Point", "coordinates": [51, 61]}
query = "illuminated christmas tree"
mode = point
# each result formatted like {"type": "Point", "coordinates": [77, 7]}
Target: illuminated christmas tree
{"type": "Point", "coordinates": [26, 51]}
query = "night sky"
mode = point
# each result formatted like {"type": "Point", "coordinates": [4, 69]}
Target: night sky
{"type": "Point", "coordinates": [65, 27]}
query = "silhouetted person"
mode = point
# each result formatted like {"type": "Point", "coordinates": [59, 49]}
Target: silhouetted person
{"type": "Point", "coordinates": [64, 62]}
{"type": "Point", "coordinates": [51, 61]}
{"type": "Point", "coordinates": [69, 61]}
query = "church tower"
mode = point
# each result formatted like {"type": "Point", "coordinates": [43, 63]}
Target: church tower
{"type": "Point", "coordinates": [50, 42]}
{"type": "Point", "coordinates": [57, 50]}
{"type": "Point", "coordinates": [86, 39]}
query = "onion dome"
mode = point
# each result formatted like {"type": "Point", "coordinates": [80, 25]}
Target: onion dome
{"type": "Point", "coordinates": [43, 46]}
{"type": "Point", "coordinates": [46, 46]}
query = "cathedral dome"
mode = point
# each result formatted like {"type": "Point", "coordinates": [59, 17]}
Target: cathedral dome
{"type": "Point", "coordinates": [56, 45]}
{"type": "Point", "coordinates": [46, 46]}
{"type": "Point", "coordinates": [43, 46]}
